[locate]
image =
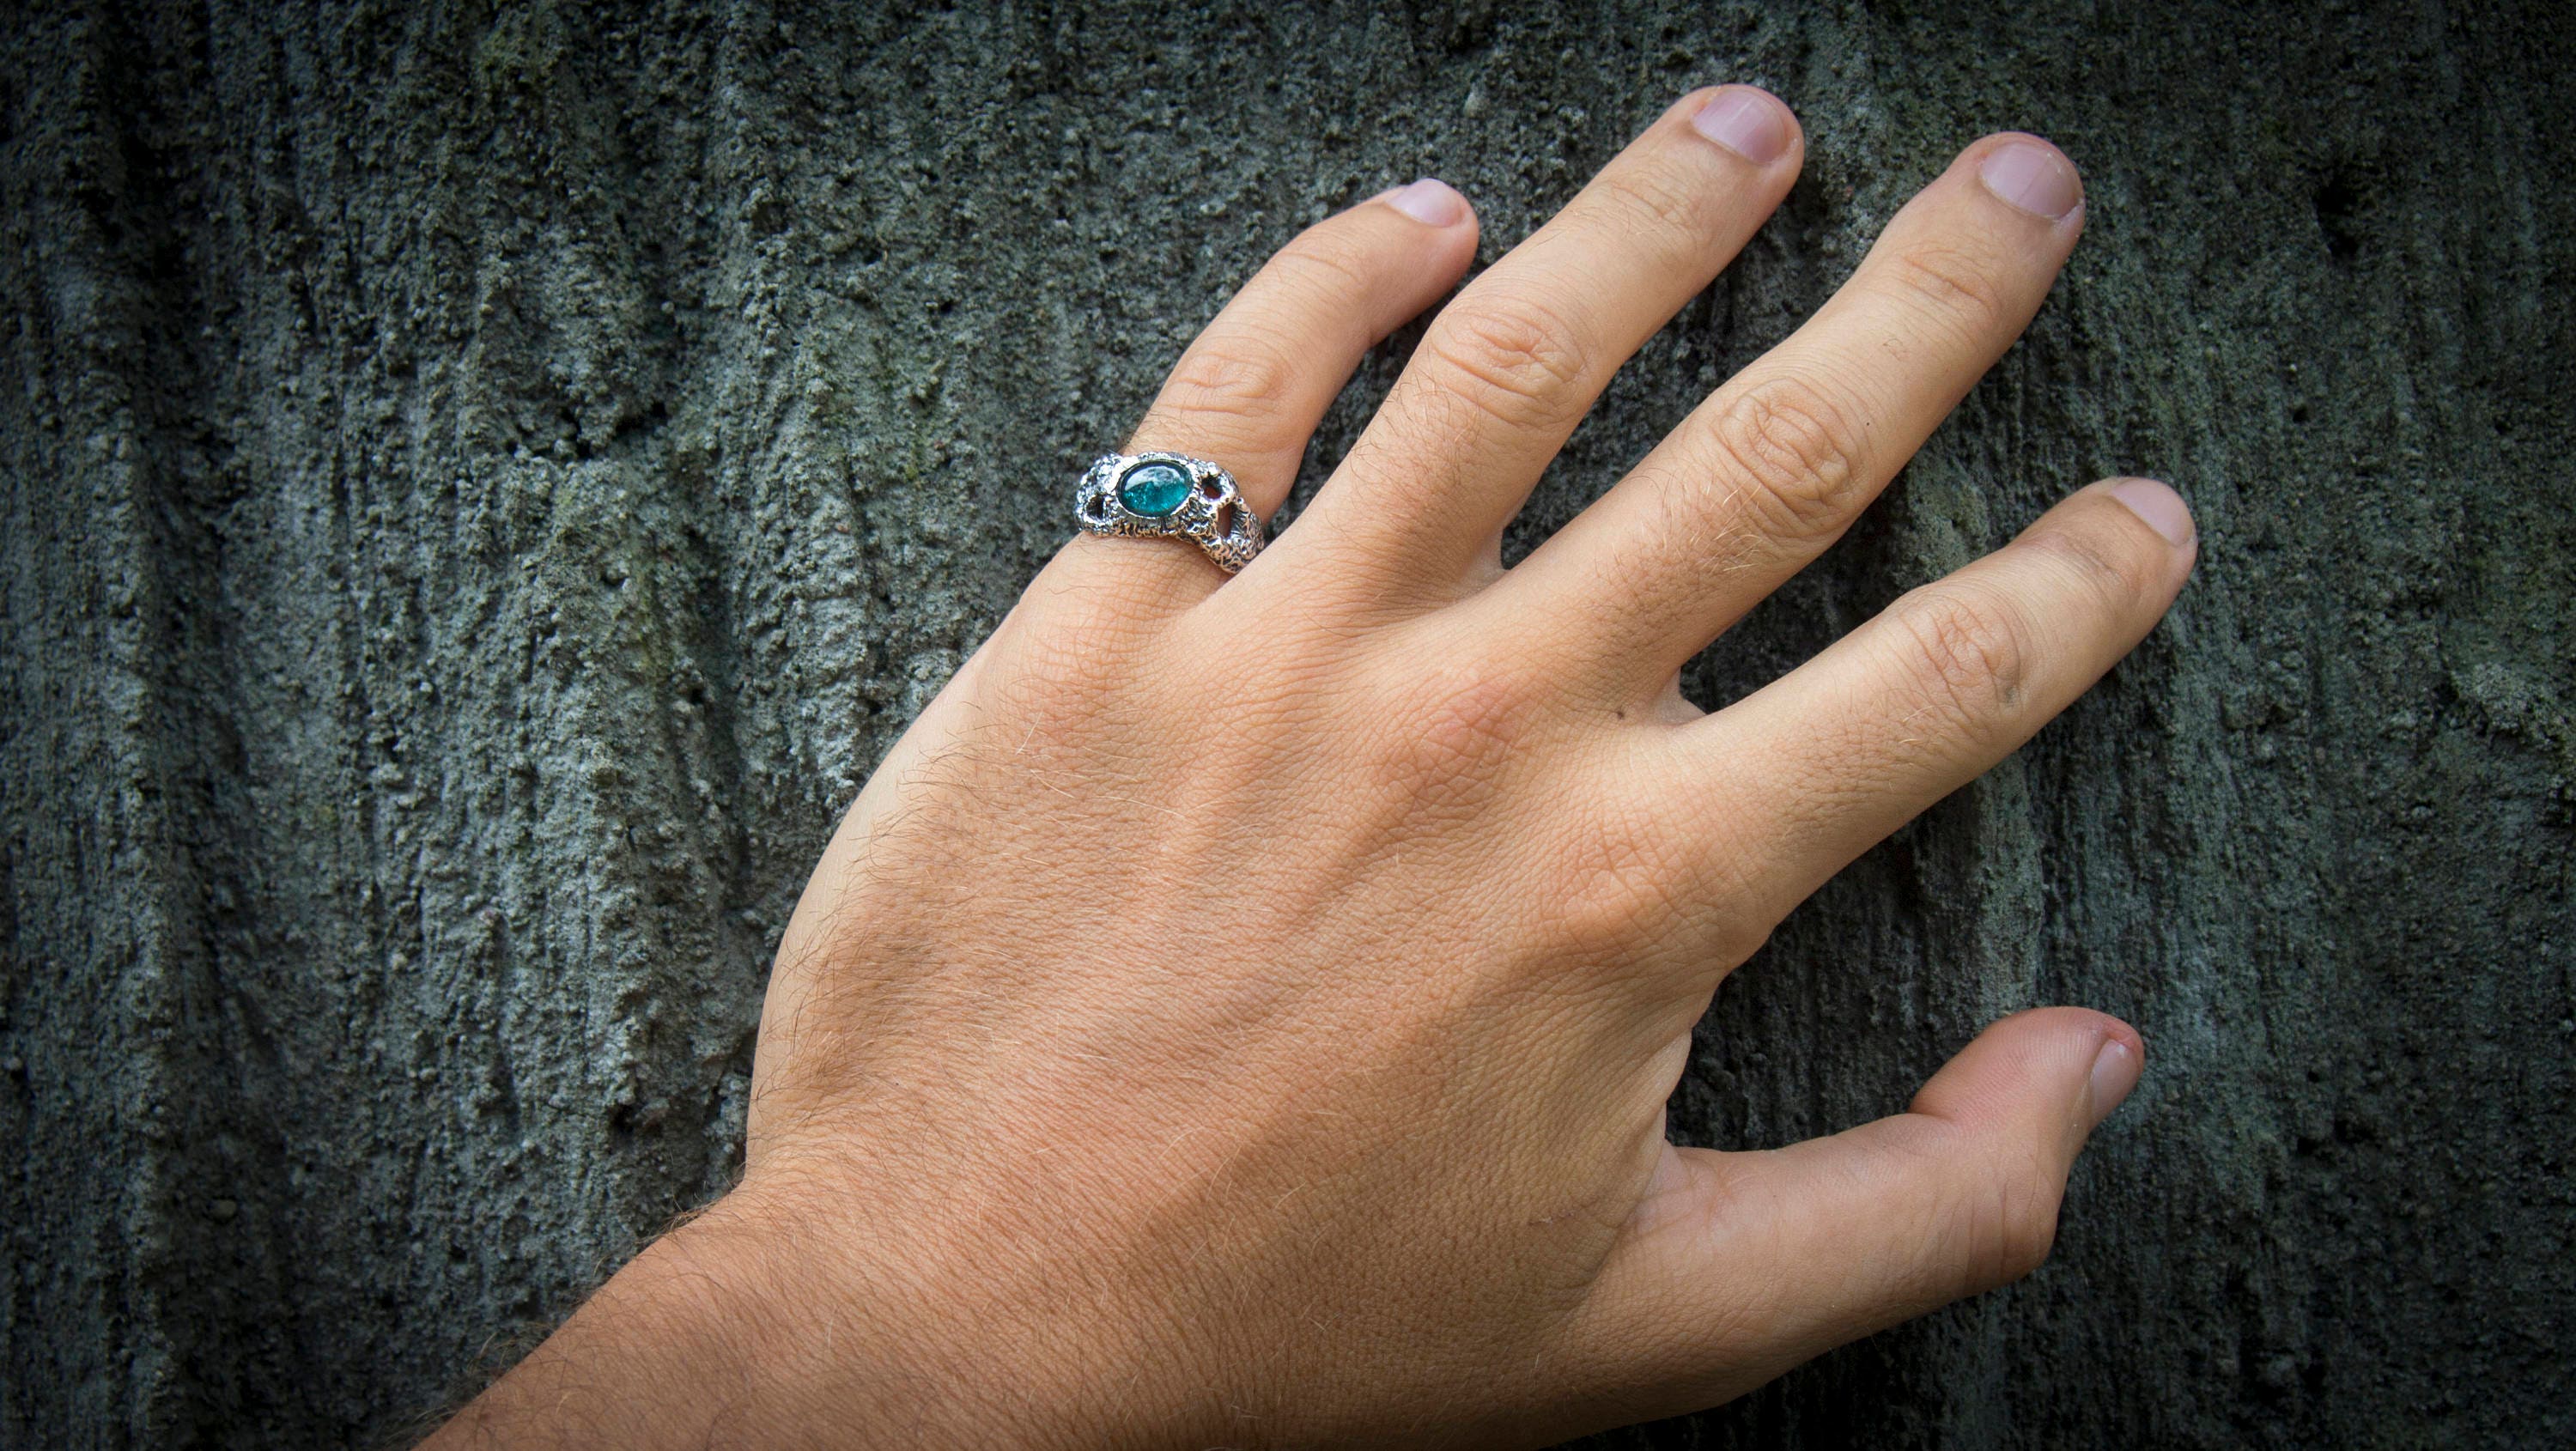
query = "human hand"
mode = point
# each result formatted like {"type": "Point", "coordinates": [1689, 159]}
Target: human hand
{"type": "Point", "coordinates": [1241, 1011]}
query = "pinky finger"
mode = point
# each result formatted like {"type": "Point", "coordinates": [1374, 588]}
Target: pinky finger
{"type": "Point", "coordinates": [1946, 682]}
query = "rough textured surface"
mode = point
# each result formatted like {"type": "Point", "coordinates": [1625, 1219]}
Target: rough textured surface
{"type": "Point", "coordinates": [447, 604]}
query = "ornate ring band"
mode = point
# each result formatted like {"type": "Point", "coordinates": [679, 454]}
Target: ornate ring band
{"type": "Point", "coordinates": [1169, 495]}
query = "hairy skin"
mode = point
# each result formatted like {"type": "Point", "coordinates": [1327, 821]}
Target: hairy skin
{"type": "Point", "coordinates": [1240, 1012]}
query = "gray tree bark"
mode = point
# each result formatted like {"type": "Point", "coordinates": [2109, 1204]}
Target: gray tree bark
{"type": "Point", "coordinates": [484, 482]}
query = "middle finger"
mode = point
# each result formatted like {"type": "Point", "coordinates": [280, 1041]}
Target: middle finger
{"type": "Point", "coordinates": [1508, 369]}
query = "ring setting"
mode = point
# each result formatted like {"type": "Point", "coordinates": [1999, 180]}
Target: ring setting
{"type": "Point", "coordinates": [1160, 494]}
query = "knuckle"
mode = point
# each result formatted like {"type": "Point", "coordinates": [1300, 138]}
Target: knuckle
{"type": "Point", "coordinates": [1654, 196]}
{"type": "Point", "coordinates": [2110, 566]}
{"type": "Point", "coordinates": [1325, 266]}
{"type": "Point", "coordinates": [1517, 358]}
{"type": "Point", "coordinates": [1123, 616]}
{"type": "Point", "coordinates": [1239, 373]}
{"type": "Point", "coordinates": [1948, 283]}
{"type": "Point", "coordinates": [1988, 1219]}
{"type": "Point", "coordinates": [1793, 451]}
{"type": "Point", "coordinates": [1613, 883]}
{"type": "Point", "coordinates": [1445, 742]}
{"type": "Point", "coordinates": [1045, 685]}
{"type": "Point", "coordinates": [1967, 650]}
{"type": "Point", "coordinates": [2020, 1215]}
{"type": "Point", "coordinates": [1725, 879]}
{"type": "Point", "coordinates": [1433, 419]}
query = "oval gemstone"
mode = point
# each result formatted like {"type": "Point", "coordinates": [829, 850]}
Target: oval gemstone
{"type": "Point", "coordinates": [1154, 490]}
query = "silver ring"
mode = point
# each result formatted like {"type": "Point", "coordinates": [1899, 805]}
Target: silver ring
{"type": "Point", "coordinates": [1163, 495]}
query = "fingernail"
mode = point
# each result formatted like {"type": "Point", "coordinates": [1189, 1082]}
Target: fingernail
{"type": "Point", "coordinates": [2115, 1072]}
{"type": "Point", "coordinates": [1432, 203]}
{"type": "Point", "coordinates": [2161, 507]}
{"type": "Point", "coordinates": [2032, 177]}
{"type": "Point", "coordinates": [1746, 122]}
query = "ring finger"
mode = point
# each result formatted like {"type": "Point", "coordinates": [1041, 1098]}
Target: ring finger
{"type": "Point", "coordinates": [1251, 389]}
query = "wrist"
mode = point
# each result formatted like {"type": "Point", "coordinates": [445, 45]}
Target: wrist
{"type": "Point", "coordinates": [744, 1326]}
{"type": "Point", "coordinates": [675, 1349]}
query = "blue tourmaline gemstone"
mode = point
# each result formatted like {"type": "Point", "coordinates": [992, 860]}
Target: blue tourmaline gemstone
{"type": "Point", "coordinates": [1154, 490]}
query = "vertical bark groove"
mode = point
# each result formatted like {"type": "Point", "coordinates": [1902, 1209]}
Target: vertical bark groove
{"type": "Point", "coordinates": [479, 485]}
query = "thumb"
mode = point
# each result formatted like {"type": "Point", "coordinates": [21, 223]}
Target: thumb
{"type": "Point", "coordinates": [1739, 1266]}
